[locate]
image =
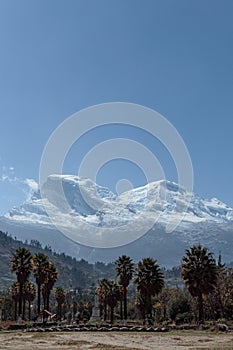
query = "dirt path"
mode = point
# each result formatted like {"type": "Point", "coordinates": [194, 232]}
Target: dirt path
{"type": "Point", "coordinates": [116, 340]}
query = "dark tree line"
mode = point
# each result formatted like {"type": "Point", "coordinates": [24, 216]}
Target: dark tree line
{"type": "Point", "coordinates": [23, 264]}
{"type": "Point", "coordinates": [148, 278]}
{"type": "Point", "coordinates": [138, 290]}
{"type": "Point", "coordinates": [208, 291]}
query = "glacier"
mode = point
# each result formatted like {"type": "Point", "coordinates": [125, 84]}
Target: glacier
{"type": "Point", "coordinates": [86, 204]}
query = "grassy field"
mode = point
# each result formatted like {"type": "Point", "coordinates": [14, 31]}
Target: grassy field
{"type": "Point", "coordinates": [189, 340]}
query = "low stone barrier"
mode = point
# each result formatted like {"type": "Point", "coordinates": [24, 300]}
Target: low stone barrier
{"type": "Point", "coordinates": [99, 328]}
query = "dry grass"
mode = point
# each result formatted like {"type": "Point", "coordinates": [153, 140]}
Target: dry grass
{"type": "Point", "coordinates": [177, 340]}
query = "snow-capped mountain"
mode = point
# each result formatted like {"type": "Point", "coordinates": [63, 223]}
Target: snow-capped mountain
{"type": "Point", "coordinates": [92, 215]}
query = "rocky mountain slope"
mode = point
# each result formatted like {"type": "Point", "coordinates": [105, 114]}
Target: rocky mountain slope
{"type": "Point", "coordinates": [93, 209]}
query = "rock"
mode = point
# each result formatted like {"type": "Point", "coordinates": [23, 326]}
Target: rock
{"type": "Point", "coordinates": [222, 327]}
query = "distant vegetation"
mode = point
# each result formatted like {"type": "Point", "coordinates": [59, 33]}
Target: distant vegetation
{"type": "Point", "coordinates": [36, 281]}
{"type": "Point", "coordinates": [73, 274]}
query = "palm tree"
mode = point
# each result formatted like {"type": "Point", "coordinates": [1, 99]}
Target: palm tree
{"type": "Point", "coordinates": [21, 264]}
{"type": "Point", "coordinates": [199, 272]}
{"type": "Point", "coordinates": [50, 280]}
{"type": "Point", "coordinates": [40, 263]}
{"type": "Point", "coordinates": [140, 303]}
{"type": "Point", "coordinates": [60, 296]}
{"type": "Point", "coordinates": [110, 293]}
{"type": "Point", "coordinates": [124, 270]}
{"type": "Point", "coordinates": [102, 291]}
{"type": "Point", "coordinates": [30, 294]}
{"type": "Point", "coordinates": [121, 300]}
{"type": "Point", "coordinates": [149, 280]}
{"type": "Point", "coordinates": [14, 290]}
{"type": "Point", "coordinates": [113, 296]}
{"type": "Point", "coordinates": [220, 283]}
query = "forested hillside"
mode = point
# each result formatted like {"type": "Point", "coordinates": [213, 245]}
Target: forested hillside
{"type": "Point", "coordinates": [72, 273]}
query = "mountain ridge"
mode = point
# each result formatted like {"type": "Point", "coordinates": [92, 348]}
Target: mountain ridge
{"type": "Point", "coordinates": [205, 221]}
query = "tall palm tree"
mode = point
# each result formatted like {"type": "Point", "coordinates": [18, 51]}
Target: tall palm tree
{"type": "Point", "coordinates": [222, 271]}
{"type": "Point", "coordinates": [140, 303]}
{"type": "Point", "coordinates": [14, 290]}
{"type": "Point", "coordinates": [124, 270]}
{"type": "Point", "coordinates": [113, 296]}
{"type": "Point", "coordinates": [30, 294]}
{"type": "Point", "coordinates": [60, 296]}
{"type": "Point", "coordinates": [50, 280]}
{"type": "Point", "coordinates": [110, 293]}
{"type": "Point", "coordinates": [199, 272]}
{"type": "Point", "coordinates": [149, 280]}
{"type": "Point", "coordinates": [40, 263]}
{"type": "Point", "coordinates": [121, 301]}
{"type": "Point", "coordinates": [102, 291]}
{"type": "Point", "coordinates": [21, 264]}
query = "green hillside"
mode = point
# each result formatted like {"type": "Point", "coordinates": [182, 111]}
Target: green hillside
{"type": "Point", "coordinates": [72, 273]}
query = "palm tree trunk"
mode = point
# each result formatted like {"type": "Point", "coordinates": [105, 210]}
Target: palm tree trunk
{"type": "Point", "coordinates": [20, 299]}
{"type": "Point", "coordinates": [200, 308]}
{"type": "Point", "coordinates": [29, 310]}
{"type": "Point", "coordinates": [44, 301]}
{"type": "Point", "coordinates": [111, 314]}
{"type": "Point", "coordinates": [143, 313]}
{"type": "Point", "coordinates": [105, 311]}
{"type": "Point", "coordinates": [38, 298]}
{"type": "Point", "coordinates": [121, 309]}
{"type": "Point", "coordinates": [16, 304]}
{"type": "Point", "coordinates": [149, 306]}
{"type": "Point", "coordinates": [59, 310]}
{"type": "Point", "coordinates": [47, 301]}
{"type": "Point", "coordinates": [221, 304]}
{"type": "Point", "coordinates": [164, 311]}
{"type": "Point", "coordinates": [23, 316]}
{"type": "Point", "coordinates": [125, 303]}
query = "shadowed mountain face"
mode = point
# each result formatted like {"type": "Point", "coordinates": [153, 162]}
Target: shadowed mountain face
{"type": "Point", "coordinates": [209, 222]}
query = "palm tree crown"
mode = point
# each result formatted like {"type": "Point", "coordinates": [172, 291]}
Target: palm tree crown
{"type": "Point", "coordinates": [51, 275]}
{"type": "Point", "coordinates": [60, 296]}
{"type": "Point", "coordinates": [199, 272]}
{"type": "Point", "coordinates": [149, 280]}
{"type": "Point", "coordinates": [40, 264]}
{"type": "Point", "coordinates": [109, 292]}
{"type": "Point", "coordinates": [124, 270]}
{"type": "Point", "coordinates": [21, 264]}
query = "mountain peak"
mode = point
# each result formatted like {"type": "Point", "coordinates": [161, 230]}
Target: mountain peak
{"type": "Point", "coordinates": [87, 199]}
{"type": "Point", "coordinates": [89, 205]}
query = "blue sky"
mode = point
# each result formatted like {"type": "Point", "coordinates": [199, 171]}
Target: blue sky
{"type": "Point", "coordinates": [58, 57]}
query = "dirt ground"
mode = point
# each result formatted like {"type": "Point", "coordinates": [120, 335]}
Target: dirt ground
{"type": "Point", "coordinates": [116, 340]}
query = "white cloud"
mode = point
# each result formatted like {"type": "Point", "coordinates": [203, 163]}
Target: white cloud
{"type": "Point", "coordinates": [8, 174]}
{"type": "Point", "coordinates": [4, 177]}
{"type": "Point", "coordinates": [27, 186]}
{"type": "Point", "coordinates": [32, 184]}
